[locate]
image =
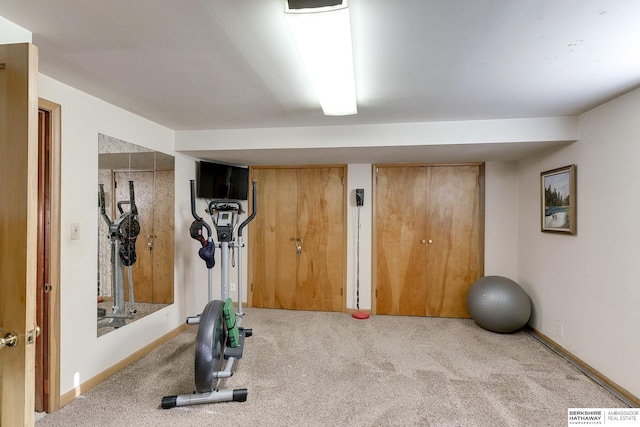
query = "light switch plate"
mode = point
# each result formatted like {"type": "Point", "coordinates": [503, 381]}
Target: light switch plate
{"type": "Point", "coordinates": [75, 231]}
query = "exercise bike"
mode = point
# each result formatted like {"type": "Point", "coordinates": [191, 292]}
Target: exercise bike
{"type": "Point", "coordinates": [123, 232]}
{"type": "Point", "coordinates": [220, 337]}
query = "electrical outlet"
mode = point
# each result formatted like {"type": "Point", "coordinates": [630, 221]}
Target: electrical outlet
{"type": "Point", "coordinates": [560, 329]}
{"type": "Point", "coordinates": [233, 287]}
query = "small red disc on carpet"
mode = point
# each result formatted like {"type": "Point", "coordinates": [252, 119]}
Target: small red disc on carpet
{"type": "Point", "coordinates": [360, 315]}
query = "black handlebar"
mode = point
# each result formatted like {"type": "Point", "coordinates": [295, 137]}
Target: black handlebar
{"type": "Point", "coordinates": [253, 209]}
{"type": "Point", "coordinates": [193, 200]}
{"type": "Point", "coordinates": [132, 198]}
{"type": "Point", "coordinates": [103, 212]}
{"type": "Point", "coordinates": [193, 208]}
{"type": "Point", "coordinates": [221, 204]}
{"type": "Point", "coordinates": [133, 209]}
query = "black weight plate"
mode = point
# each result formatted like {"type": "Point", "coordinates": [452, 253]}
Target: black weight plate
{"type": "Point", "coordinates": [209, 347]}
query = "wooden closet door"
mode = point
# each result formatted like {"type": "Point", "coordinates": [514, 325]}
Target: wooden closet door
{"type": "Point", "coordinates": [304, 206]}
{"type": "Point", "coordinates": [427, 239]}
{"type": "Point", "coordinates": [453, 238]}
{"type": "Point", "coordinates": [320, 228]}
{"type": "Point", "coordinates": [400, 225]}
{"type": "Point", "coordinates": [272, 239]}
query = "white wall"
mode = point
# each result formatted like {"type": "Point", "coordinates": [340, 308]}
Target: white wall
{"type": "Point", "coordinates": [588, 283]}
{"type": "Point", "coordinates": [382, 135]}
{"type": "Point", "coordinates": [359, 176]}
{"type": "Point", "coordinates": [83, 355]}
{"type": "Point", "coordinates": [12, 33]}
{"type": "Point", "coordinates": [501, 219]}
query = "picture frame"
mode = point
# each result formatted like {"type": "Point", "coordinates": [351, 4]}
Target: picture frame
{"type": "Point", "coordinates": [558, 211]}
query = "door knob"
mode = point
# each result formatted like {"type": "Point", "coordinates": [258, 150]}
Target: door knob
{"type": "Point", "coordinates": [299, 245]}
{"type": "Point", "coordinates": [150, 241]}
{"type": "Point", "coordinates": [9, 340]}
{"type": "Point", "coordinates": [423, 241]}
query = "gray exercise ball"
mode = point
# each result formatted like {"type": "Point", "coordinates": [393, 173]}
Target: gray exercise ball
{"type": "Point", "coordinates": [498, 304]}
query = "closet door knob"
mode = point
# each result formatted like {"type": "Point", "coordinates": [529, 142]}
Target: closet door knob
{"type": "Point", "coordinates": [9, 340]}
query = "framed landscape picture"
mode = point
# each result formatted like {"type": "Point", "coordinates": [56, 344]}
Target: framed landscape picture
{"type": "Point", "coordinates": [558, 200]}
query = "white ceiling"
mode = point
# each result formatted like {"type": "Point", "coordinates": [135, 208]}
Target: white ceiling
{"type": "Point", "coordinates": [220, 64]}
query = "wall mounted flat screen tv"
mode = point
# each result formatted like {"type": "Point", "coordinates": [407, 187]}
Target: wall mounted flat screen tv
{"type": "Point", "coordinates": [219, 181]}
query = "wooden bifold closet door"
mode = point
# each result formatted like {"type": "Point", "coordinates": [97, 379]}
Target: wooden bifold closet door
{"type": "Point", "coordinates": [296, 241]}
{"type": "Point", "coordinates": [428, 238]}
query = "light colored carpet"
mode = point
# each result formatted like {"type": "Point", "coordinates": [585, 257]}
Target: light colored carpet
{"type": "Point", "coordinates": [328, 369]}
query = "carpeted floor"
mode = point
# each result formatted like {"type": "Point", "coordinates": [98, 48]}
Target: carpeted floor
{"type": "Point", "coordinates": [328, 369]}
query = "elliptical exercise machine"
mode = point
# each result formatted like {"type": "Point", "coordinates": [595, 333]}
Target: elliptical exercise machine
{"type": "Point", "coordinates": [123, 232]}
{"type": "Point", "coordinates": [220, 338]}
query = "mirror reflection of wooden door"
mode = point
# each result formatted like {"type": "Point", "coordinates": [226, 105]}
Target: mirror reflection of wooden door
{"type": "Point", "coordinates": [428, 238]}
{"type": "Point", "coordinates": [162, 246]}
{"type": "Point", "coordinates": [143, 267]}
{"type": "Point", "coordinates": [297, 239]}
{"type": "Point", "coordinates": [18, 229]}
{"type": "Point", "coordinates": [152, 272]}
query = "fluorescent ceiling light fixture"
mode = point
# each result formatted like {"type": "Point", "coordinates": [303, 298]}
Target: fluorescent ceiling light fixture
{"type": "Point", "coordinates": [323, 37]}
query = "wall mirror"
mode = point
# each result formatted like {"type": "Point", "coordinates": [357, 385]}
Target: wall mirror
{"type": "Point", "coordinates": [135, 232]}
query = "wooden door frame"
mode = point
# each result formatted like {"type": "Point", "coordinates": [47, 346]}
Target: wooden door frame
{"type": "Point", "coordinates": [374, 239]}
{"type": "Point", "coordinates": [345, 196]}
{"type": "Point", "coordinates": [51, 328]}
